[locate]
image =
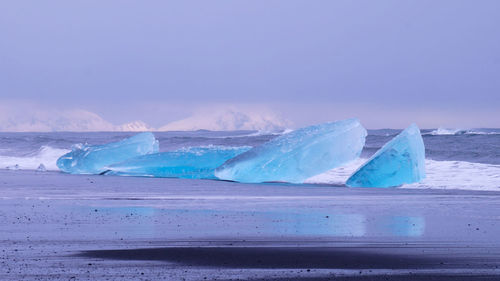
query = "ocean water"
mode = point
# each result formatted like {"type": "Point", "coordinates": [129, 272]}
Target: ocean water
{"type": "Point", "coordinates": [455, 159]}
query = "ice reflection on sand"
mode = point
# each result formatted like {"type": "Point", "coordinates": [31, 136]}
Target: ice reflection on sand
{"type": "Point", "coordinates": [152, 221]}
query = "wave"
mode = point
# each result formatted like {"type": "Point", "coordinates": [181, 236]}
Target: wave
{"type": "Point", "coordinates": [457, 132]}
{"type": "Point", "coordinates": [444, 131]}
{"type": "Point", "coordinates": [440, 175]}
{"type": "Point", "coordinates": [269, 133]}
{"type": "Point", "coordinates": [193, 149]}
{"type": "Point", "coordinates": [459, 175]}
{"type": "Point", "coordinates": [246, 133]}
{"type": "Point", "coordinates": [473, 132]}
{"type": "Point", "coordinates": [45, 159]}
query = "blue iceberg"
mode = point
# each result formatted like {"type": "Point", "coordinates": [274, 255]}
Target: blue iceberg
{"type": "Point", "coordinates": [400, 161]}
{"type": "Point", "coordinates": [298, 155]}
{"type": "Point", "coordinates": [91, 159]}
{"type": "Point", "coordinates": [191, 163]}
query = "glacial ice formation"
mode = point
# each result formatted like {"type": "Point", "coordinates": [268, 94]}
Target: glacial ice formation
{"type": "Point", "coordinates": [298, 155]}
{"type": "Point", "coordinates": [400, 161]}
{"type": "Point", "coordinates": [192, 163]}
{"type": "Point", "coordinates": [91, 159]}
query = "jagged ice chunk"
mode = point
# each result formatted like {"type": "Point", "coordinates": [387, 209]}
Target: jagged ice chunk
{"type": "Point", "coordinates": [192, 163]}
{"type": "Point", "coordinates": [400, 161]}
{"type": "Point", "coordinates": [91, 159]}
{"type": "Point", "coordinates": [298, 155]}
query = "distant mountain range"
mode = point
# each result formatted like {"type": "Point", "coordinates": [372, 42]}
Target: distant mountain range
{"type": "Point", "coordinates": [229, 120]}
{"type": "Point", "coordinates": [85, 121]}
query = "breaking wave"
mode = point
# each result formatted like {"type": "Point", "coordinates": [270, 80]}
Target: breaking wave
{"type": "Point", "coordinates": [44, 158]}
{"type": "Point", "coordinates": [269, 133]}
{"type": "Point", "coordinates": [456, 132]}
{"type": "Point", "coordinates": [444, 131]}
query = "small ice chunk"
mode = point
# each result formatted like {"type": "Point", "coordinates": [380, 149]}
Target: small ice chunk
{"type": "Point", "coordinates": [298, 155]}
{"type": "Point", "coordinates": [41, 168]}
{"type": "Point", "coordinates": [15, 167]}
{"type": "Point", "coordinates": [91, 159]}
{"type": "Point", "coordinates": [400, 161]}
{"type": "Point", "coordinates": [191, 163]}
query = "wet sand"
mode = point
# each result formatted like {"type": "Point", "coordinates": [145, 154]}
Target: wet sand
{"type": "Point", "coordinates": [74, 227]}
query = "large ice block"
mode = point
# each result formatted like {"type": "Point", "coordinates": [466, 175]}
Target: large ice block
{"type": "Point", "coordinates": [400, 161]}
{"type": "Point", "coordinates": [91, 159]}
{"type": "Point", "coordinates": [192, 163]}
{"type": "Point", "coordinates": [298, 155]}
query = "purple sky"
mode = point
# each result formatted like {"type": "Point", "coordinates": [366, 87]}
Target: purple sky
{"type": "Point", "coordinates": [387, 62]}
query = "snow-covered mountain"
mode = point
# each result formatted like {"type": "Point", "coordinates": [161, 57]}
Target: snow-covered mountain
{"type": "Point", "coordinates": [18, 117]}
{"type": "Point", "coordinates": [135, 126]}
{"type": "Point", "coordinates": [52, 120]}
{"type": "Point", "coordinates": [229, 120]}
{"type": "Point", "coordinates": [15, 118]}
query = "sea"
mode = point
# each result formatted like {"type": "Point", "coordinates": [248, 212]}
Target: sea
{"type": "Point", "coordinates": [455, 158]}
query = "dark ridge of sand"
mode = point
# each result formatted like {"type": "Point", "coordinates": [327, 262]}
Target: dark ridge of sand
{"type": "Point", "coordinates": [273, 257]}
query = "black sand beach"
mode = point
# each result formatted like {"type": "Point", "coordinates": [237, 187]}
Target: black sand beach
{"type": "Point", "coordinates": [75, 227]}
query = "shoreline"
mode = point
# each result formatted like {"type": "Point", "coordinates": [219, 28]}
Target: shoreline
{"type": "Point", "coordinates": [59, 226]}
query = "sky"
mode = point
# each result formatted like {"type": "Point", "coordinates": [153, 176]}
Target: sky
{"type": "Point", "coordinates": [389, 63]}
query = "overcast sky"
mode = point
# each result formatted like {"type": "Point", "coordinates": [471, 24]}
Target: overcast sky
{"type": "Point", "coordinates": [389, 63]}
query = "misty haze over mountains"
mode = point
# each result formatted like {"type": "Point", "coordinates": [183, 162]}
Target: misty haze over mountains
{"type": "Point", "coordinates": [78, 120]}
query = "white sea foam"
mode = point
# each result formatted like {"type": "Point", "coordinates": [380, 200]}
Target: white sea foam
{"type": "Point", "coordinates": [266, 132]}
{"type": "Point", "coordinates": [337, 176]}
{"type": "Point", "coordinates": [460, 175]}
{"type": "Point", "coordinates": [46, 156]}
{"type": "Point", "coordinates": [475, 132]}
{"type": "Point", "coordinates": [454, 132]}
{"type": "Point", "coordinates": [447, 131]}
{"type": "Point", "coordinates": [440, 175]}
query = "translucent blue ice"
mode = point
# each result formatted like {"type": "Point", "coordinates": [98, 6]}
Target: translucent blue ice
{"type": "Point", "coordinates": [298, 155]}
{"type": "Point", "coordinates": [192, 163]}
{"type": "Point", "coordinates": [400, 161]}
{"type": "Point", "coordinates": [91, 159]}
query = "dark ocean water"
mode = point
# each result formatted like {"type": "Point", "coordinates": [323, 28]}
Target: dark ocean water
{"type": "Point", "coordinates": [477, 146]}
